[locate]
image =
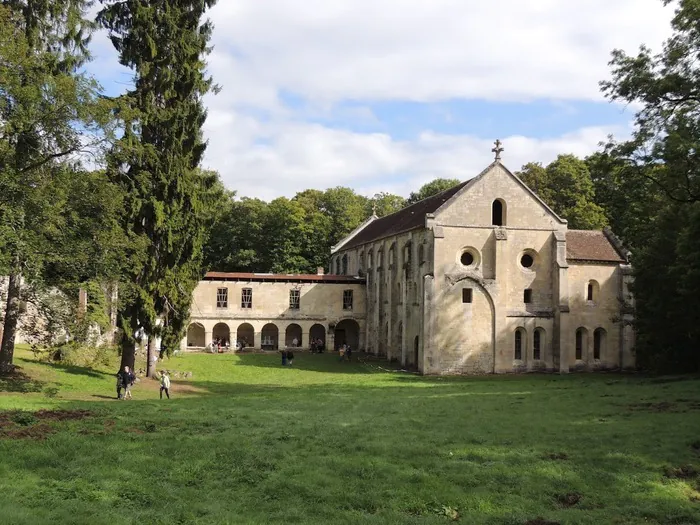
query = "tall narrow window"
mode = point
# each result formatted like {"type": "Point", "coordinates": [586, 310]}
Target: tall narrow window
{"type": "Point", "coordinates": [337, 265]}
{"type": "Point", "coordinates": [598, 342]}
{"type": "Point", "coordinates": [345, 264]}
{"type": "Point", "coordinates": [497, 213]}
{"type": "Point", "coordinates": [247, 298]}
{"type": "Point", "coordinates": [589, 294]}
{"type": "Point", "coordinates": [347, 299]}
{"type": "Point", "coordinates": [466, 295]}
{"type": "Point", "coordinates": [579, 344]}
{"type": "Point", "coordinates": [294, 299]}
{"type": "Point", "coordinates": [518, 345]}
{"type": "Point", "coordinates": [222, 297]}
{"type": "Point", "coordinates": [421, 254]}
{"type": "Point", "coordinates": [369, 259]}
{"type": "Point", "coordinates": [537, 345]}
{"type": "Point", "coordinates": [527, 296]}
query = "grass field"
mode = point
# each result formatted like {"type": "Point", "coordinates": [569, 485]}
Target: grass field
{"type": "Point", "coordinates": [247, 441]}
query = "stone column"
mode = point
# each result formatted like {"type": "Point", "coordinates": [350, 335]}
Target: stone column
{"type": "Point", "coordinates": [503, 358]}
{"type": "Point", "coordinates": [427, 359]}
{"type": "Point", "coordinates": [257, 340]}
{"type": "Point", "coordinates": [207, 338]}
{"type": "Point", "coordinates": [560, 299]}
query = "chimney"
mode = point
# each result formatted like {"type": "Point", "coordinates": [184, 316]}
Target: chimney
{"type": "Point", "coordinates": [319, 270]}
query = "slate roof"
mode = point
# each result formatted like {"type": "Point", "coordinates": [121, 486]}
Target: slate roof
{"type": "Point", "coordinates": [281, 277]}
{"type": "Point", "coordinates": [406, 219]}
{"type": "Point", "coordinates": [591, 245]}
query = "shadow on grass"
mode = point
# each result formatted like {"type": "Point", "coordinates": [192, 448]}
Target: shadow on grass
{"type": "Point", "coordinates": [328, 363]}
{"type": "Point", "coordinates": [19, 382]}
{"type": "Point", "coordinates": [78, 370]}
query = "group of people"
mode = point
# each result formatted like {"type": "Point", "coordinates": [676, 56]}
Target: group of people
{"type": "Point", "coordinates": [126, 379]}
{"type": "Point", "coordinates": [317, 346]}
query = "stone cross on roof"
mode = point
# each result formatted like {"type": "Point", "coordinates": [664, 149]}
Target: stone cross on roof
{"type": "Point", "coordinates": [498, 149]}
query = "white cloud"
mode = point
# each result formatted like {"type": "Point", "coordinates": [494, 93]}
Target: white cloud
{"type": "Point", "coordinates": [331, 51]}
{"type": "Point", "coordinates": [296, 155]}
{"type": "Point", "coordinates": [426, 50]}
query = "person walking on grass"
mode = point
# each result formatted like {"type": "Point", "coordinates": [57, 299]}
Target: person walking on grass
{"type": "Point", "coordinates": [120, 384]}
{"type": "Point", "coordinates": [290, 357]}
{"type": "Point", "coordinates": [348, 352]}
{"type": "Point", "coordinates": [341, 352]}
{"type": "Point", "coordinates": [284, 357]}
{"type": "Point", "coordinates": [164, 384]}
{"type": "Point", "coordinates": [128, 379]}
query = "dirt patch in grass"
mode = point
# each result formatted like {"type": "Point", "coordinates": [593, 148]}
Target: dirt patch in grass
{"type": "Point", "coordinates": [556, 456]}
{"type": "Point", "coordinates": [17, 424]}
{"type": "Point", "coordinates": [541, 521]}
{"type": "Point", "coordinates": [682, 472]}
{"type": "Point", "coordinates": [569, 499]}
{"type": "Point", "coordinates": [678, 406]}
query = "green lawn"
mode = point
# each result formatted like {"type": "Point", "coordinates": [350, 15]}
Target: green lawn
{"type": "Point", "coordinates": [247, 441]}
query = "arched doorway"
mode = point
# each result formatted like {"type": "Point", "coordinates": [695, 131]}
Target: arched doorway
{"type": "Point", "coordinates": [318, 331]}
{"type": "Point", "coordinates": [347, 332]}
{"type": "Point", "coordinates": [245, 335]}
{"type": "Point", "coordinates": [270, 337]}
{"type": "Point", "coordinates": [195, 336]}
{"type": "Point", "coordinates": [470, 314]}
{"type": "Point", "coordinates": [221, 333]}
{"type": "Point", "coordinates": [292, 333]}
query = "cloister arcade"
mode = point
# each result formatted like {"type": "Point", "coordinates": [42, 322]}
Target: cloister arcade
{"type": "Point", "coordinates": [273, 334]}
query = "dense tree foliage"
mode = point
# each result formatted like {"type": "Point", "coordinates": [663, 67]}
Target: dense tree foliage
{"type": "Point", "coordinates": [156, 162]}
{"type": "Point", "coordinates": [566, 186]}
{"type": "Point", "coordinates": [50, 112]}
{"type": "Point", "coordinates": [662, 157]}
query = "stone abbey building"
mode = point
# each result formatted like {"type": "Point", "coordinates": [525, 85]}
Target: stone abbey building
{"type": "Point", "coordinates": [481, 278]}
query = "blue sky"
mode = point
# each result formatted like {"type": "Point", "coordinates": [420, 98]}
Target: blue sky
{"type": "Point", "coordinates": [385, 96]}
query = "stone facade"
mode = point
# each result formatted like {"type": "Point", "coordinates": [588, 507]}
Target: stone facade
{"type": "Point", "coordinates": [265, 311]}
{"type": "Point", "coordinates": [486, 278]}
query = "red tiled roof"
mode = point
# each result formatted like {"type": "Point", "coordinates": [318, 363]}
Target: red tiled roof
{"type": "Point", "coordinates": [590, 245]}
{"type": "Point", "coordinates": [406, 219]}
{"type": "Point", "coordinates": [281, 277]}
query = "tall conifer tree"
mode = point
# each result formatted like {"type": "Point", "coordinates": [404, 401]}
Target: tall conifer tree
{"type": "Point", "coordinates": [157, 160]}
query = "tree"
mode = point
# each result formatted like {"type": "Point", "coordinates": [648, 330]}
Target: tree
{"type": "Point", "coordinates": [566, 186]}
{"type": "Point", "coordinates": [431, 188]}
{"type": "Point", "coordinates": [664, 151]}
{"type": "Point", "coordinates": [386, 203]}
{"type": "Point", "coordinates": [50, 111]}
{"type": "Point", "coordinates": [157, 161]}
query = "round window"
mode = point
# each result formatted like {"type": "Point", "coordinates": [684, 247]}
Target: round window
{"type": "Point", "coordinates": [467, 259]}
{"type": "Point", "coordinates": [527, 261]}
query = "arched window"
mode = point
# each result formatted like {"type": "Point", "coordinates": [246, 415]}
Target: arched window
{"type": "Point", "coordinates": [369, 259]}
{"type": "Point", "coordinates": [391, 256]}
{"type": "Point", "coordinates": [598, 342]}
{"type": "Point", "coordinates": [592, 291]}
{"type": "Point", "coordinates": [497, 213]}
{"type": "Point", "coordinates": [581, 342]}
{"type": "Point", "coordinates": [537, 344]}
{"type": "Point", "coordinates": [337, 265]}
{"type": "Point", "coordinates": [519, 344]}
{"type": "Point", "coordinates": [345, 264]}
{"type": "Point", "coordinates": [380, 257]}
{"type": "Point", "coordinates": [361, 261]}
{"type": "Point", "coordinates": [421, 254]}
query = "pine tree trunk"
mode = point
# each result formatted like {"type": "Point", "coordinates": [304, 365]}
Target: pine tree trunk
{"type": "Point", "coordinates": [7, 349]}
{"type": "Point", "coordinates": [128, 353]}
{"type": "Point", "coordinates": [149, 356]}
